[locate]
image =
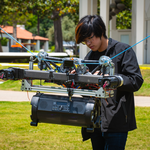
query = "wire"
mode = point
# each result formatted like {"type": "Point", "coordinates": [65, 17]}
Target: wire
{"type": "Point", "coordinates": [130, 47]}
{"type": "Point", "coordinates": [28, 96]}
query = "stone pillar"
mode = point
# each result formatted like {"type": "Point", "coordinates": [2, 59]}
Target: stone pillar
{"type": "Point", "coordinates": [140, 24]}
{"type": "Point", "coordinates": [133, 27]}
{"type": "Point", "coordinates": [11, 43]}
{"type": "Point", "coordinates": [113, 31]}
{"type": "Point", "coordinates": [86, 7]}
{"type": "Point", "coordinates": [38, 45]}
{"type": "Point", "coordinates": [19, 40]}
{"type": "Point", "coordinates": [29, 46]}
{"type": "Point", "coordinates": [46, 46]}
{"type": "Point", "coordinates": [8, 43]}
{"type": "Point", "coordinates": [147, 42]}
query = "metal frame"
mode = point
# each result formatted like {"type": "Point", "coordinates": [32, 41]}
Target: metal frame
{"type": "Point", "coordinates": [100, 93]}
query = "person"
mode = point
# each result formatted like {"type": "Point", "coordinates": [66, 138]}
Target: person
{"type": "Point", "coordinates": [118, 112]}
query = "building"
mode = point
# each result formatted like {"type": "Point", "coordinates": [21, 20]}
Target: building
{"type": "Point", "coordinates": [24, 36]}
{"type": "Point", "coordinates": [140, 25]}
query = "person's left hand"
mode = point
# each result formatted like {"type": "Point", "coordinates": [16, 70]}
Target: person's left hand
{"type": "Point", "coordinates": [96, 73]}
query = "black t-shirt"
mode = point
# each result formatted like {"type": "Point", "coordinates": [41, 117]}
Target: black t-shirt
{"type": "Point", "coordinates": [95, 56]}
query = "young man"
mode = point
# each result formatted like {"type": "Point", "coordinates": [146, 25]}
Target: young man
{"type": "Point", "coordinates": [118, 113]}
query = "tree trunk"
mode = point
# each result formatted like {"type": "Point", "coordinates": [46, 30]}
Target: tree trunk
{"type": "Point", "coordinates": [76, 49]}
{"type": "Point", "coordinates": [14, 32]}
{"type": "Point", "coordinates": [1, 50]}
{"type": "Point", "coordinates": [58, 35]}
{"type": "Point", "coordinates": [38, 26]}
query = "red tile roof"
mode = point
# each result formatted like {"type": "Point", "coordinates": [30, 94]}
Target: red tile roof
{"type": "Point", "coordinates": [23, 34]}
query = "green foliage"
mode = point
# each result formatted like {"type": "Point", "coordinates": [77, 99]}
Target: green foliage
{"type": "Point", "coordinates": [31, 23]}
{"type": "Point", "coordinates": [4, 41]}
{"type": "Point", "coordinates": [55, 10]}
{"type": "Point", "coordinates": [75, 15]}
{"type": "Point", "coordinates": [53, 48]}
{"type": "Point", "coordinates": [14, 11]}
{"type": "Point", "coordinates": [124, 18]}
{"type": "Point", "coordinates": [50, 34]}
{"type": "Point", "coordinates": [52, 9]}
{"type": "Point", "coordinates": [44, 25]}
{"type": "Point", "coordinates": [68, 29]}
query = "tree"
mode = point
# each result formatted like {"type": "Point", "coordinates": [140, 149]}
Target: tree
{"type": "Point", "coordinates": [14, 12]}
{"type": "Point", "coordinates": [50, 35]}
{"type": "Point", "coordinates": [55, 10]}
{"type": "Point", "coordinates": [2, 20]}
{"type": "Point", "coordinates": [68, 30]}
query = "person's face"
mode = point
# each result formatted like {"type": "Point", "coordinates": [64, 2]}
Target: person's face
{"type": "Point", "coordinates": [93, 42]}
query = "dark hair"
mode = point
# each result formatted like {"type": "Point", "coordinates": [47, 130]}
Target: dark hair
{"type": "Point", "coordinates": [88, 25]}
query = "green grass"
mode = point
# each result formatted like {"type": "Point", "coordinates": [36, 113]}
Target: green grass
{"type": "Point", "coordinates": [17, 134]}
{"type": "Point", "coordinates": [139, 139]}
{"type": "Point", "coordinates": [145, 65]}
{"type": "Point", "coordinates": [16, 85]}
{"type": "Point", "coordinates": [145, 89]}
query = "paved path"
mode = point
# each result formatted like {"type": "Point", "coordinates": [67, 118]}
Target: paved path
{"type": "Point", "coordinates": [23, 96]}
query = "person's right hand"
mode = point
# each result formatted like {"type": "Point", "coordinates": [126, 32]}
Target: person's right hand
{"type": "Point", "coordinates": [73, 71]}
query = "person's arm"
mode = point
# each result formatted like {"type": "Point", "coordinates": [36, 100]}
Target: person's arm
{"type": "Point", "coordinates": [130, 72]}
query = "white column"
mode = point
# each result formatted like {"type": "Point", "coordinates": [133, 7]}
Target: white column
{"type": "Point", "coordinates": [46, 46]}
{"type": "Point", "coordinates": [86, 7]}
{"type": "Point", "coordinates": [113, 31]}
{"type": "Point", "coordinates": [19, 40]}
{"type": "Point", "coordinates": [147, 42]}
{"type": "Point", "coordinates": [11, 41]}
{"type": "Point", "coordinates": [104, 12]}
{"type": "Point", "coordinates": [140, 20]}
{"type": "Point", "coordinates": [8, 42]}
{"type": "Point", "coordinates": [147, 45]}
{"type": "Point", "coordinates": [133, 27]}
{"type": "Point", "coordinates": [38, 45]}
{"type": "Point", "coordinates": [29, 46]}
{"type": "Point", "coordinates": [112, 23]}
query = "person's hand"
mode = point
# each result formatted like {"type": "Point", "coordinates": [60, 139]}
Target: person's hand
{"type": "Point", "coordinates": [73, 71]}
{"type": "Point", "coordinates": [96, 73]}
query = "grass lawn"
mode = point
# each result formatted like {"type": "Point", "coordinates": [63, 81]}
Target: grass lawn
{"type": "Point", "coordinates": [145, 89]}
{"type": "Point", "coordinates": [17, 134]}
